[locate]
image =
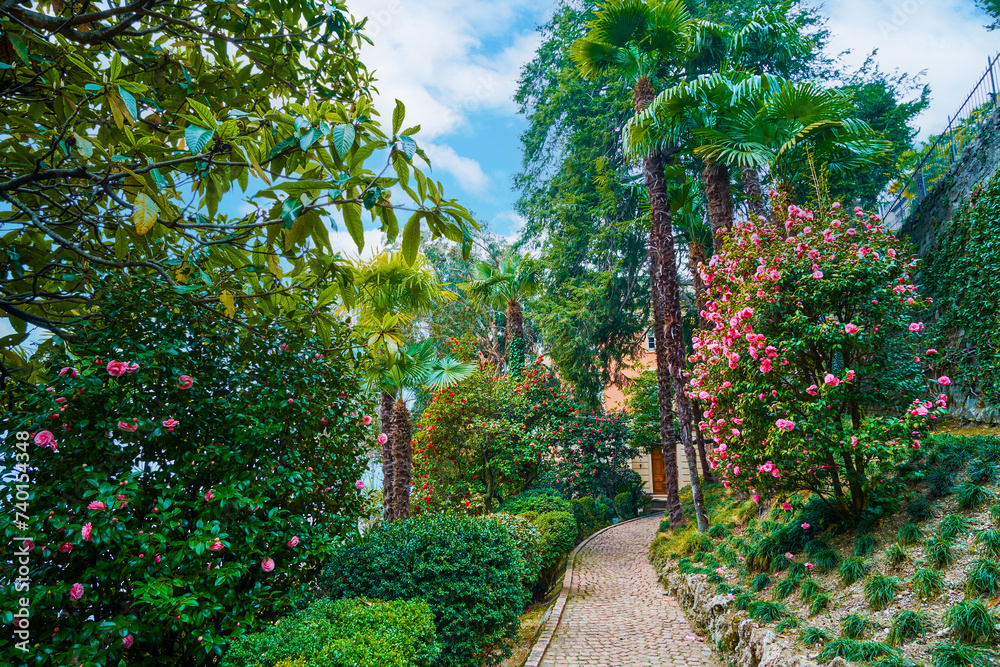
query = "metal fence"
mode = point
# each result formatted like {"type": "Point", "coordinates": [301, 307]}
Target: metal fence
{"type": "Point", "coordinates": [899, 201]}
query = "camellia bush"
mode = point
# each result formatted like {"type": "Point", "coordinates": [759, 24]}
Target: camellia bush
{"type": "Point", "coordinates": [813, 373]}
{"type": "Point", "coordinates": [186, 477]}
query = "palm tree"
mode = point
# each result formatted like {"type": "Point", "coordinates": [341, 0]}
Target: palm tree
{"type": "Point", "coordinates": [505, 285]}
{"type": "Point", "coordinates": [388, 294]}
{"type": "Point", "coordinates": [636, 40]}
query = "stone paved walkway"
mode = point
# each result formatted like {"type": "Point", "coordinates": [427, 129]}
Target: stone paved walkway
{"type": "Point", "coordinates": [617, 614]}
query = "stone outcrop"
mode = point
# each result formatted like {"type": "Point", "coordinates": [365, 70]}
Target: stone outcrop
{"type": "Point", "coordinates": [731, 632]}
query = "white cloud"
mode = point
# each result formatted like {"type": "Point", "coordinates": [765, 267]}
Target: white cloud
{"type": "Point", "coordinates": [466, 171]}
{"type": "Point", "coordinates": [343, 243]}
{"type": "Point", "coordinates": [944, 37]}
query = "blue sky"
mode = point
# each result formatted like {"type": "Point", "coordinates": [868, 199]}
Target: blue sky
{"type": "Point", "coordinates": [455, 64]}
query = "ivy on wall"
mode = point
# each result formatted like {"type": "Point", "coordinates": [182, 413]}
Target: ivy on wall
{"type": "Point", "coordinates": [962, 274]}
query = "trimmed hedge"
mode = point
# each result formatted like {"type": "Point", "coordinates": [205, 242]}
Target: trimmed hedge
{"type": "Point", "coordinates": [625, 506]}
{"type": "Point", "coordinates": [536, 500]}
{"type": "Point", "coordinates": [468, 570]}
{"type": "Point", "coordinates": [344, 633]}
{"type": "Point", "coordinates": [525, 534]}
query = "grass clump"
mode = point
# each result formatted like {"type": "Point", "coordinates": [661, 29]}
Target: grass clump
{"type": "Point", "coordinates": [919, 509]}
{"type": "Point", "coordinates": [810, 636]}
{"type": "Point", "coordinates": [852, 569]}
{"type": "Point", "coordinates": [788, 623]}
{"type": "Point", "coordinates": [896, 554]}
{"type": "Point", "coordinates": [971, 495]}
{"type": "Point", "coordinates": [982, 472]}
{"type": "Point", "coordinates": [881, 590]}
{"type": "Point", "coordinates": [818, 603]}
{"type": "Point", "coordinates": [907, 625]}
{"type": "Point", "coordinates": [938, 552]}
{"type": "Point", "coordinates": [855, 626]}
{"type": "Point", "coordinates": [995, 513]}
{"type": "Point", "coordinates": [785, 588]}
{"type": "Point", "coordinates": [810, 589]}
{"type": "Point", "coordinates": [760, 582]}
{"type": "Point", "coordinates": [989, 540]}
{"type": "Point", "coordinates": [864, 546]}
{"type": "Point", "coordinates": [695, 542]}
{"type": "Point", "coordinates": [767, 612]}
{"type": "Point", "coordinates": [970, 622]}
{"type": "Point", "coordinates": [927, 583]}
{"type": "Point", "coordinates": [909, 534]}
{"type": "Point", "coordinates": [718, 531]}
{"type": "Point", "coordinates": [952, 526]}
{"type": "Point", "coordinates": [983, 578]}
{"type": "Point", "coordinates": [855, 651]}
{"type": "Point", "coordinates": [957, 655]}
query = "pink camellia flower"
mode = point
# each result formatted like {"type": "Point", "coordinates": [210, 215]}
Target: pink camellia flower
{"type": "Point", "coordinates": [283, 347]}
{"type": "Point", "coordinates": [789, 555]}
{"type": "Point", "coordinates": [76, 592]}
{"type": "Point", "coordinates": [850, 376]}
{"type": "Point", "coordinates": [267, 564]}
{"type": "Point", "coordinates": [382, 438]}
{"type": "Point", "coordinates": [127, 641]}
{"type": "Point", "coordinates": [944, 380]}
{"type": "Point", "coordinates": [366, 420]}
{"type": "Point", "coordinates": [65, 547]}
{"type": "Point", "coordinates": [809, 566]}
{"type": "Point", "coordinates": [806, 526]}
{"type": "Point", "coordinates": [786, 506]}
{"type": "Point", "coordinates": [785, 425]}
{"type": "Point", "coordinates": [117, 368]}
{"type": "Point", "coordinates": [217, 545]}
{"type": "Point", "coordinates": [184, 382]}
{"type": "Point", "coordinates": [87, 531]}
{"type": "Point", "coordinates": [817, 274]}
{"type": "Point", "coordinates": [812, 390]}
{"type": "Point", "coordinates": [97, 505]}
{"type": "Point", "coordinates": [851, 328]}
{"type": "Point", "coordinates": [294, 542]}
{"type": "Point", "coordinates": [209, 495]}
{"type": "Point", "coordinates": [45, 439]}
{"type": "Point", "coordinates": [291, 400]}
{"type": "Point", "coordinates": [359, 485]}
{"type": "Point", "coordinates": [755, 498]}
{"type": "Point", "coordinates": [917, 326]}
{"type": "Point", "coordinates": [128, 428]}
{"type": "Point", "coordinates": [720, 571]}
{"type": "Point", "coordinates": [932, 351]}
{"type": "Point", "coordinates": [72, 372]}
{"type": "Point", "coordinates": [171, 424]}
{"type": "Point", "coordinates": [831, 380]}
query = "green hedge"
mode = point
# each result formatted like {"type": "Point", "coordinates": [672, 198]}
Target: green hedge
{"type": "Point", "coordinates": [625, 506]}
{"type": "Point", "coordinates": [557, 535]}
{"type": "Point", "coordinates": [468, 570]}
{"type": "Point", "coordinates": [525, 534]}
{"type": "Point", "coordinates": [344, 633]}
{"type": "Point", "coordinates": [536, 500]}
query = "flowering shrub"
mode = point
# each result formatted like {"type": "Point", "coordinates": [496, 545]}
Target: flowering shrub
{"type": "Point", "coordinates": [812, 374]}
{"type": "Point", "coordinates": [187, 480]}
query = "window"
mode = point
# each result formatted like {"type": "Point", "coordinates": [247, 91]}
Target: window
{"type": "Point", "coordinates": [650, 341]}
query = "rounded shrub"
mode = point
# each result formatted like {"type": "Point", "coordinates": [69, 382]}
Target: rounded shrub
{"type": "Point", "coordinates": [344, 633]}
{"type": "Point", "coordinates": [468, 570]}
{"type": "Point", "coordinates": [556, 536]}
{"type": "Point", "coordinates": [525, 535]}
{"type": "Point", "coordinates": [625, 506]}
{"type": "Point", "coordinates": [536, 500]}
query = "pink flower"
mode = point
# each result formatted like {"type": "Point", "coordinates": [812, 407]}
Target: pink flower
{"type": "Point", "coordinates": [184, 382]}
{"type": "Point", "coordinates": [810, 566]}
{"type": "Point", "coordinates": [291, 400]}
{"type": "Point", "coordinates": [806, 526]}
{"type": "Point", "coordinates": [72, 372]}
{"type": "Point", "coordinates": [87, 531]}
{"type": "Point", "coordinates": [294, 542]}
{"type": "Point", "coordinates": [944, 380]}
{"type": "Point", "coordinates": [812, 390]}
{"type": "Point", "coordinates": [127, 641]}
{"type": "Point", "coordinates": [851, 329]}
{"type": "Point", "coordinates": [755, 498]}
{"type": "Point", "coordinates": [171, 424]}
{"type": "Point", "coordinates": [786, 506]}
{"type": "Point", "coordinates": [789, 555]}
{"type": "Point", "coordinates": [917, 326]}
{"type": "Point", "coordinates": [932, 351]}
{"type": "Point", "coordinates": [283, 347]}
{"type": "Point", "coordinates": [267, 564]}
{"type": "Point", "coordinates": [785, 425]}
{"type": "Point", "coordinates": [65, 547]}
{"type": "Point", "coordinates": [720, 571]}
{"type": "Point", "coordinates": [97, 505]}
{"type": "Point", "coordinates": [850, 376]}
{"type": "Point", "coordinates": [118, 368]}
{"type": "Point", "coordinates": [45, 439]}
{"type": "Point", "coordinates": [129, 428]}
{"type": "Point", "coordinates": [366, 420]}
{"type": "Point", "coordinates": [76, 592]}
{"type": "Point", "coordinates": [817, 274]}
{"type": "Point", "coordinates": [209, 495]}
{"type": "Point", "coordinates": [359, 485]}
{"type": "Point", "coordinates": [382, 438]}
{"type": "Point", "coordinates": [217, 545]}
{"type": "Point", "coordinates": [831, 380]}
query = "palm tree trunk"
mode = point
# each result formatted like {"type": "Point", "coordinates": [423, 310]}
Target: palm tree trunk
{"type": "Point", "coordinates": [754, 192]}
{"type": "Point", "coordinates": [515, 339]}
{"type": "Point", "coordinates": [515, 321]}
{"type": "Point", "coordinates": [402, 459]}
{"type": "Point", "coordinates": [715, 181]}
{"type": "Point", "coordinates": [385, 420]}
{"type": "Point", "coordinates": [669, 336]}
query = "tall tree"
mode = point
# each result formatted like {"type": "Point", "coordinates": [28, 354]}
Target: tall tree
{"type": "Point", "coordinates": [505, 284]}
{"type": "Point", "coordinates": [637, 39]}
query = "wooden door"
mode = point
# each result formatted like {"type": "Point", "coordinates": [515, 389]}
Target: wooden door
{"type": "Point", "coordinates": [659, 482]}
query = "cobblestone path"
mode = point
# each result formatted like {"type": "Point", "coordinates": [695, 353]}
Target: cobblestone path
{"type": "Point", "coordinates": [617, 613]}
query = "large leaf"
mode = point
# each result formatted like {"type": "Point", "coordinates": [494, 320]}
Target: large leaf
{"type": "Point", "coordinates": [144, 213]}
{"type": "Point", "coordinates": [411, 238]}
{"type": "Point", "coordinates": [291, 208]}
{"type": "Point", "coordinates": [197, 138]}
{"type": "Point", "coordinates": [397, 117]}
{"type": "Point", "coordinates": [352, 218]}
{"type": "Point", "coordinates": [343, 138]}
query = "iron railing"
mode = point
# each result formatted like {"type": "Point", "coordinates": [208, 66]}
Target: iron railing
{"type": "Point", "coordinates": [937, 160]}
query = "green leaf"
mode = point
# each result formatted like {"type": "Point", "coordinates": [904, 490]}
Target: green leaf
{"type": "Point", "coordinates": [411, 238]}
{"type": "Point", "coordinates": [197, 138]}
{"type": "Point", "coordinates": [397, 117]}
{"type": "Point", "coordinates": [352, 218]}
{"type": "Point", "coordinates": [409, 147]}
{"type": "Point", "coordinates": [129, 100]}
{"type": "Point", "coordinates": [20, 47]}
{"type": "Point", "coordinates": [309, 138]}
{"type": "Point", "coordinates": [290, 211]}
{"type": "Point", "coordinates": [144, 213]}
{"type": "Point", "coordinates": [84, 147]}
{"type": "Point", "coordinates": [296, 188]}
{"type": "Point", "coordinates": [343, 138]}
